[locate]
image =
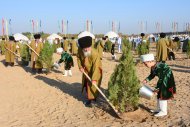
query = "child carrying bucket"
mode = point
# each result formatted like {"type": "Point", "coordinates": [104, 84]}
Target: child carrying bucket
{"type": "Point", "coordinates": [67, 59]}
{"type": "Point", "coordinates": [165, 87]}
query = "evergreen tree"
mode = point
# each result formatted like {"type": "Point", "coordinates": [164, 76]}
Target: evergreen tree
{"type": "Point", "coordinates": [46, 56]}
{"type": "Point", "coordinates": [25, 55]}
{"type": "Point", "coordinates": [188, 49]}
{"type": "Point", "coordinates": [143, 48]}
{"type": "Point", "coordinates": [123, 85]}
{"type": "Point", "coordinates": [108, 46]}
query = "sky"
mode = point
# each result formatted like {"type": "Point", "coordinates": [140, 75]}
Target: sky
{"type": "Point", "coordinates": [130, 14]}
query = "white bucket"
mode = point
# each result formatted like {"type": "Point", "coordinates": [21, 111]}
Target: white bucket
{"type": "Point", "coordinates": [146, 92]}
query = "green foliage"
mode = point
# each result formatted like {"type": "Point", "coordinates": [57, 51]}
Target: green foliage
{"type": "Point", "coordinates": [143, 48]}
{"type": "Point", "coordinates": [46, 56]}
{"type": "Point", "coordinates": [108, 46]}
{"type": "Point", "coordinates": [123, 85]}
{"type": "Point", "coordinates": [178, 45]}
{"type": "Point", "coordinates": [188, 49]}
{"type": "Point", "coordinates": [24, 53]}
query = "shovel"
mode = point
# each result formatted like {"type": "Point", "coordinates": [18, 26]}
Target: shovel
{"type": "Point", "coordinates": [12, 52]}
{"type": "Point", "coordinates": [32, 49]}
{"type": "Point", "coordinates": [112, 106]}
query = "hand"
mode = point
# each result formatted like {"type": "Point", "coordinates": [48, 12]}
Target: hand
{"type": "Point", "coordinates": [144, 81]}
{"type": "Point", "coordinates": [81, 70]}
{"type": "Point", "coordinates": [94, 82]}
{"type": "Point", "coordinates": [155, 90]}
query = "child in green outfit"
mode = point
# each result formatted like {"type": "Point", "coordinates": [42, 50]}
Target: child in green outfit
{"type": "Point", "coordinates": [67, 59]}
{"type": "Point", "coordinates": [165, 88]}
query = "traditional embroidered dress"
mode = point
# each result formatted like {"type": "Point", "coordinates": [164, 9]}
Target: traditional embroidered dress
{"type": "Point", "coordinates": [166, 83]}
{"type": "Point", "coordinates": [67, 58]}
{"type": "Point", "coordinates": [93, 67]}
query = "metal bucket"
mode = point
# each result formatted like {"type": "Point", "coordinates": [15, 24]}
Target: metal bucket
{"type": "Point", "coordinates": [56, 65]}
{"type": "Point", "coordinates": [146, 92]}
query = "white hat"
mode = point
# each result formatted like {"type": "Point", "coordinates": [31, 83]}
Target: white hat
{"type": "Point", "coordinates": [86, 33]}
{"type": "Point", "coordinates": [59, 50]}
{"type": "Point", "coordinates": [147, 57]}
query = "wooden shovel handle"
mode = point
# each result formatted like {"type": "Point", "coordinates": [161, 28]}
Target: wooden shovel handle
{"type": "Point", "coordinates": [113, 107]}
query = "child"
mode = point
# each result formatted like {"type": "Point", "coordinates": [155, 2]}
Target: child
{"type": "Point", "coordinates": [165, 88]}
{"type": "Point", "coordinates": [67, 58]}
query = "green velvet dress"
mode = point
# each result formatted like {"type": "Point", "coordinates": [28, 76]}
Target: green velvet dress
{"type": "Point", "coordinates": [166, 84]}
{"type": "Point", "coordinates": [67, 58]}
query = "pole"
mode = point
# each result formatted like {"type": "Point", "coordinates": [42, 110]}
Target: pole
{"type": "Point", "coordinates": [32, 49]}
{"type": "Point", "coordinates": [62, 26]}
{"type": "Point", "coordinates": [3, 29]}
{"type": "Point", "coordinates": [12, 52]}
{"type": "Point", "coordinates": [7, 28]}
{"type": "Point", "coordinates": [86, 25]}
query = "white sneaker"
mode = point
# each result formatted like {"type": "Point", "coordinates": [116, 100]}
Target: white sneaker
{"type": "Point", "coordinates": [65, 74]}
{"type": "Point", "coordinates": [70, 73]}
{"type": "Point", "coordinates": [160, 114]}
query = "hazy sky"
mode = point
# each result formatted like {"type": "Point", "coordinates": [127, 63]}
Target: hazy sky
{"type": "Point", "coordinates": [102, 12]}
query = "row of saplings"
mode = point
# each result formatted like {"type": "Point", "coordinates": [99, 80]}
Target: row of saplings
{"type": "Point", "coordinates": [122, 89]}
{"type": "Point", "coordinates": [123, 86]}
{"type": "Point", "coordinates": [45, 56]}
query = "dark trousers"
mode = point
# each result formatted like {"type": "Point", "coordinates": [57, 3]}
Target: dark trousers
{"type": "Point", "coordinates": [68, 66]}
{"type": "Point", "coordinates": [113, 49]}
{"type": "Point", "coordinates": [171, 56]}
{"type": "Point", "coordinates": [34, 69]}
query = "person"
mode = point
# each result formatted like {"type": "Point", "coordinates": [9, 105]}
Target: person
{"type": "Point", "coordinates": [108, 45]}
{"type": "Point", "coordinates": [10, 48]}
{"type": "Point", "coordinates": [65, 44]}
{"type": "Point", "coordinates": [67, 59]}
{"type": "Point", "coordinates": [165, 87]}
{"type": "Point", "coordinates": [73, 46]}
{"type": "Point", "coordinates": [2, 46]}
{"type": "Point", "coordinates": [145, 42]}
{"type": "Point", "coordinates": [89, 62]}
{"type": "Point", "coordinates": [100, 46]}
{"type": "Point", "coordinates": [161, 48]}
{"type": "Point", "coordinates": [37, 46]}
{"type": "Point", "coordinates": [113, 49]}
{"type": "Point", "coordinates": [119, 42]}
{"type": "Point", "coordinates": [172, 47]}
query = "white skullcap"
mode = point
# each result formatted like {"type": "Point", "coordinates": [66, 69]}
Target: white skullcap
{"type": "Point", "coordinates": [147, 57]}
{"type": "Point", "coordinates": [86, 33]}
{"type": "Point", "coordinates": [59, 50]}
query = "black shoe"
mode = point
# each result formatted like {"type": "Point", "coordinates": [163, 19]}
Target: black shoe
{"type": "Point", "coordinates": [40, 71]}
{"type": "Point", "coordinates": [88, 103]}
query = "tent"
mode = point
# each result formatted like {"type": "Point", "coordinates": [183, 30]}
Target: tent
{"type": "Point", "coordinates": [151, 36]}
{"type": "Point", "coordinates": [86, 33]}
{"type": "Point", "coordinates": [53, 37]}
{"type": "Point", "coordinates": [111, 34]}
{"type": "Point", "coordinates": [20, 37]}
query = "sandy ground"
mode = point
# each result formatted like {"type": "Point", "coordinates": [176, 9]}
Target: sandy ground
{"type": "Point", "coordinates": [41, 100]}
